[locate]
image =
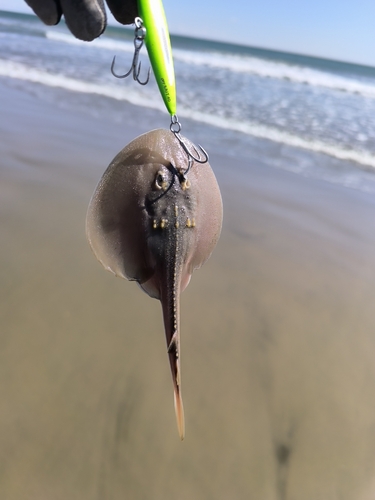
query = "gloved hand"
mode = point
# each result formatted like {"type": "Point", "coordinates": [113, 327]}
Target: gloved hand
{"type": "Point", "coordinates": [86, 19]}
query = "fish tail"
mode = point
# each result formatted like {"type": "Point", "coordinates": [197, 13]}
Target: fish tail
{"type": "Point", "coordinates": [179, 409]}
{"type": "Point", "coordinates": [174, 359]}
{"type": "Point", "coordinates": [170, 300]}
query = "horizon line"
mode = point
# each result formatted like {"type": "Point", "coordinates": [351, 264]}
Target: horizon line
{"type": "Point", "coordinates": [116, 25]}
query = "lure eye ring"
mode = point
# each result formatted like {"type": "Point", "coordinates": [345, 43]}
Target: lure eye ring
{"type": "Point", "coordinates": [175, 125]}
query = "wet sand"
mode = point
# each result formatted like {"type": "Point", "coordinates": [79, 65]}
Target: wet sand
{"type": "Point", "coordinates": [278, 334]}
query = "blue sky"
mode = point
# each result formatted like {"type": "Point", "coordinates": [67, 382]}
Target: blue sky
{"type": "Point", "coordinates": [336, 29]}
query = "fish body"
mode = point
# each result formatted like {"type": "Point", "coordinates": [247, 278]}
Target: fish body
{"type": "Point", "coordinates": [150, 222]}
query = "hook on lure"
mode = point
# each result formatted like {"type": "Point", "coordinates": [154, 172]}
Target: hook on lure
{"type": "Point", "coordinates": [139, 37]}
{"type": "Point", "coordinates": [151, 28]}
{"type": "Point", "coordinates": [199, 157]}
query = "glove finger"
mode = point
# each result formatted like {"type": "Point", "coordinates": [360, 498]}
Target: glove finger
{"type": "Point", "coordinates": [48, 11]}
{"type": "Point", "coordinates": [86, 19]}
{"type": "Point", "coordinates": [124, 11]}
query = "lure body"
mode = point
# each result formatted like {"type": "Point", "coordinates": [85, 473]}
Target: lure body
{"type": "Point", "coordinates": [150, 223]}
{"type": "Point", "coordinates": [159, 50]}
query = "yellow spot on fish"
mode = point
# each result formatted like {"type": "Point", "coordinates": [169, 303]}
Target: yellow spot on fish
{"type": "Point", "coordinates": [176, 210]}
{"type": "Point", "coordinates": [193, 223]}
{"type": "Point", "coordinates": [163, 223]}
{"type": "Point", "coordinates": [177, 225]}
{"type": "Point", "coordinates": [185, 184]}
{"type": "Point", "coordinates": [155, 224]}
{"type": "Point", "coordinates": [188, 223]}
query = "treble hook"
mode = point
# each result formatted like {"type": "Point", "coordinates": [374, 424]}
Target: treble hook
{"type": "Point", "coordinates": [139, 36]}
{"type": "Point", "coordinates": [175, 127]}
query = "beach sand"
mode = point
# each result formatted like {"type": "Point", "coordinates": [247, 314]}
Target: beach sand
{"type": "Point", "coordinates": [278, 334]}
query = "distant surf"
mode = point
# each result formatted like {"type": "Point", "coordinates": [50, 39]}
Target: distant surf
{"type": "Point", "coordinates": [238, 64]}
{"type": "Point", "coordinates": [134, 96]}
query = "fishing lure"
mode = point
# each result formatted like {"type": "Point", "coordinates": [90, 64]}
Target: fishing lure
{"type": "Point", "coordinates": [159, 50]}
{"type": "Point", "coordinates": [151, 28]}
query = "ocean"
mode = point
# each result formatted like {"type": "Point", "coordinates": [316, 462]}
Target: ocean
{"type": "Point", "coordinates": [311, 116]}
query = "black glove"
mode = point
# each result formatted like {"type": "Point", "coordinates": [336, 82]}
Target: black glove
{"type": "Point", "coordinates": [86, 19]}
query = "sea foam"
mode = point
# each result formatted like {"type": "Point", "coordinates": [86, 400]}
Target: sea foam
{"type": "Point", "coordinates": [273, 69]}
{"type": "Point", "coordinates": [235, 63]}
{"type": "Point", "coordinates": [138, 97]}
{"type": "Point", "coordinates": [23, 72]}
{"type": "Point", "coordinates": [99, 43]}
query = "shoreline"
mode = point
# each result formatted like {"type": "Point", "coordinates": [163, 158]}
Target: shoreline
{"type": "Point", "coordinates": [277, 334]}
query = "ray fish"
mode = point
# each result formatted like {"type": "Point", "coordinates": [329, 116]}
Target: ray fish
{"type": "Point", "coordinates": [152, 222]}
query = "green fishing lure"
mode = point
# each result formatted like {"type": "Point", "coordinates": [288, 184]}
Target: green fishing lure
{"type": "Point", "coordinates": [159, 50]}
{"type": "Point", "coordinates": [152, 29]}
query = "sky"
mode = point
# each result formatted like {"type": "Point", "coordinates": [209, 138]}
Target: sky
{"type": "Point", "coordinates": [333, 29]}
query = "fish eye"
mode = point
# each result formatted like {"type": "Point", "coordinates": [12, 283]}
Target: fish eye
{"type": "Point", "coordinates": [161, 180]}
